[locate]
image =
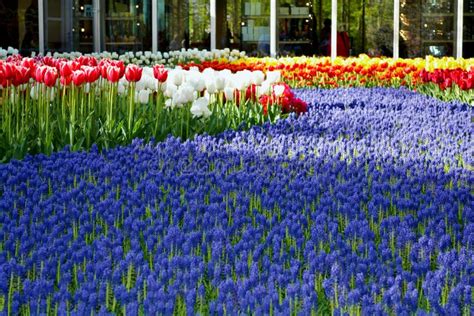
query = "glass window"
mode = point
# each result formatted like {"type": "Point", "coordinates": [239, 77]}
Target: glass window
{"type": "Point", "coordinates": [127, 25]}
{"type": "Point", "coordinates": [427, 28]}
{"type": "Point", "coordinates": [365, 27]}
{"type": "Point", "coordinates": [296, 25]}
{"type": "Point", "coordinates": [255, 27]}
{"type": "Point", "coordinates": [56, 31]}
{"type": "Point", "coordinates": [19, 22]}
{"type": "Point", "coordinates": [183, 24]}
{"type": "Point", "coordinates": [82, 28]}
{"type": "Point", "coordinates": [468, 29]}
{"type": "Point", "coordinates": [68, 25]}
{"type": "Point", "coordinates": [233, 24]}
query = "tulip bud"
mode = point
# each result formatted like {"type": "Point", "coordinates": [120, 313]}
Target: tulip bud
{"type": "Point", "coordinates": [229, 93]}
{"type": "Point", "coordinates": [50, 76]}
{"type": "Point", "coordinates": [133, 73]}
{"type": "Point", "coordinates": [78, 77]}
{"type": "Point", "coordinates": [160, 73]}
{"type": "Point", "coordinates": [92, 74]}
{"type": "Point", "coordinates": [113, 73]}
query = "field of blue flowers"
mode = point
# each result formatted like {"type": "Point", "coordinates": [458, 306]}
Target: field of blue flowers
{"type": "Point", "coordinates": [363, 205]}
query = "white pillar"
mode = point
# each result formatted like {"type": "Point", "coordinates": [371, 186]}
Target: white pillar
{"type": "Point", "coordinates": [459, 25]}
{"type": "Point", "coordinates": [154, 26]}
{"type": "Point", "coordinates": [213, 12]}
{"type": "Point", "coordinates": [41, 26]}
{"type": "Point", "coordinates": [273, 28]}
{"type": "Point", "coordinates": [96, 25]}
{"type": "Point", "coordinates": [396, 29]}
{"type": "Point", "coordinates": [333, 29]}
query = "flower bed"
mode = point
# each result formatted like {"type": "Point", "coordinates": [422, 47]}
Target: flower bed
{"type": "Point", "coordinates": [446, 78]}
{"type": "Point", "coordinates": [362, 205]}
{"type": "Point", "coordinates": [145, 58]}
{"type": "Point", "coordinates": [49, 103]}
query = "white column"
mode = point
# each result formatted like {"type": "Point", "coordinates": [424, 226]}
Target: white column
{"type": "Point", "coordinates": [96, 25]}
{"type": "Point", "coordinates": [154, 26]}
{"type": "Point", "coordinates": [459, 25]}
{"type": "Point", "coordinates": [273, 28]}
{"type": "Point", "coordinates": [333, 29]}
{"type": "Point", "coordinates": [396, 28]}
{"type": "Point", "coordinates": [212, 8]}
{"type": "Point", "coordinates": [41, 26]}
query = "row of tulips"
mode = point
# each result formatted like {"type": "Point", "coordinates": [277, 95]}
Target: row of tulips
{"type": "Point", "coordinates": [362, 206]}
{"type": "Point", "coordinates": [49, 103]}
{"type": "Point", "coordinates": [453, 79]}
{"type": "Point", "coordinates": [146, 58]}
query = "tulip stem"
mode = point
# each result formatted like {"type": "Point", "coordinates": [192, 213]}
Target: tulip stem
{"type": "Point", "coordinates": [131, 109]}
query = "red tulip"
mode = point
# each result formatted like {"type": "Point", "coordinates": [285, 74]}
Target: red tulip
{"type": "Point", "coordinates": [50, 76]}
{"type": "Point", "coordinates": [48, 61]}
{"type": "Point", "coordinates": [120, 65]}
{"type": "Point", "coordinates": [29, 63]}
{"type": "Point", "coordinates": [87, 61]}
{"type": "Point", "coordinates": [8, 70]}
{"type": "Point", "coordinates": [251, 93]}
{"type": "Point", "coordinates": [133, 73]}
{"type": "Point", "coordinates": [78, 77]}
{"type": "Point", "coordinates": [160, 73]}
{"type": "Point", "coordinates": [92, 73]}
{"type": "Point", "coordinates": [65, 81]}
{"type": "Point", "coordinates": [113, 73]}
{"type": "Point", "coordinates": [66, 69]}
{"type": "Point", "coordinates": [103, 66]}
{"type": "Point", "coordinates": [39, 73]}
{"type": "Point", "coordinates": [21, 75]}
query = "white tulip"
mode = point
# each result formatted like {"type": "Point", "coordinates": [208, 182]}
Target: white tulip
{"type": "Point", "coordinates": [121, 89]}
{"type": "Point", "coordinates": [140, 85]}
{"type": "Point", "coordinates": [200, 108]}
{"type": "Point", "coordinates": [229, 93]}
{"type": "Point", "coordinates": [278, 90]}
{"type": "Point", "coordinates": [171, 89]}
{"type": "Point", "coordinates": [34, 93]}
{"type": "Point", "coordinates": [273, 76]}
{"type": "Point", "coordinates": [257, 77]}
{"type": "Point", "coordinates": [175, 76]}
{"type": "Point", "coordinates": [211, 86]}
{"type": "Point", "coordinates": [184, 94]}
{"type": "Point", "coordinates": [264, 88]}
{"type": "Point", "coordinates": [220, 82]}
{"type": "Point", "coordinates": [143, 96]}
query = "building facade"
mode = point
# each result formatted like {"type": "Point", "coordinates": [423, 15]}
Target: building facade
{"type": "Point", "coordinates": [405, 28]}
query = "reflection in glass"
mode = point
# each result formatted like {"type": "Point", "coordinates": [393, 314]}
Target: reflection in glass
{"type": "Point", "coordinates": [369, 26]}
{"type": "Point", "coordinates": [68, 25]}
{"type": "Point", "coordinates": [127, 25]}
{"type": "Point", "coordinates": [427, 27]}
{"type": "Point", "coordinates": [296, 28]}
{"type": "Point", "coordinates": [56, 32]}
{"type": "Point", "coordinates": [183, 24]}
{"type": "Point", "coordinates": [19, 25]}
{"type": "Point", "coordinates": [468, 29]}
{"type": "Point", "coordinates": [233, 16]}
{"type": "Point", "coordinates": [255, 27]}
{"type": "Point", "coordinates": [83, 14]}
